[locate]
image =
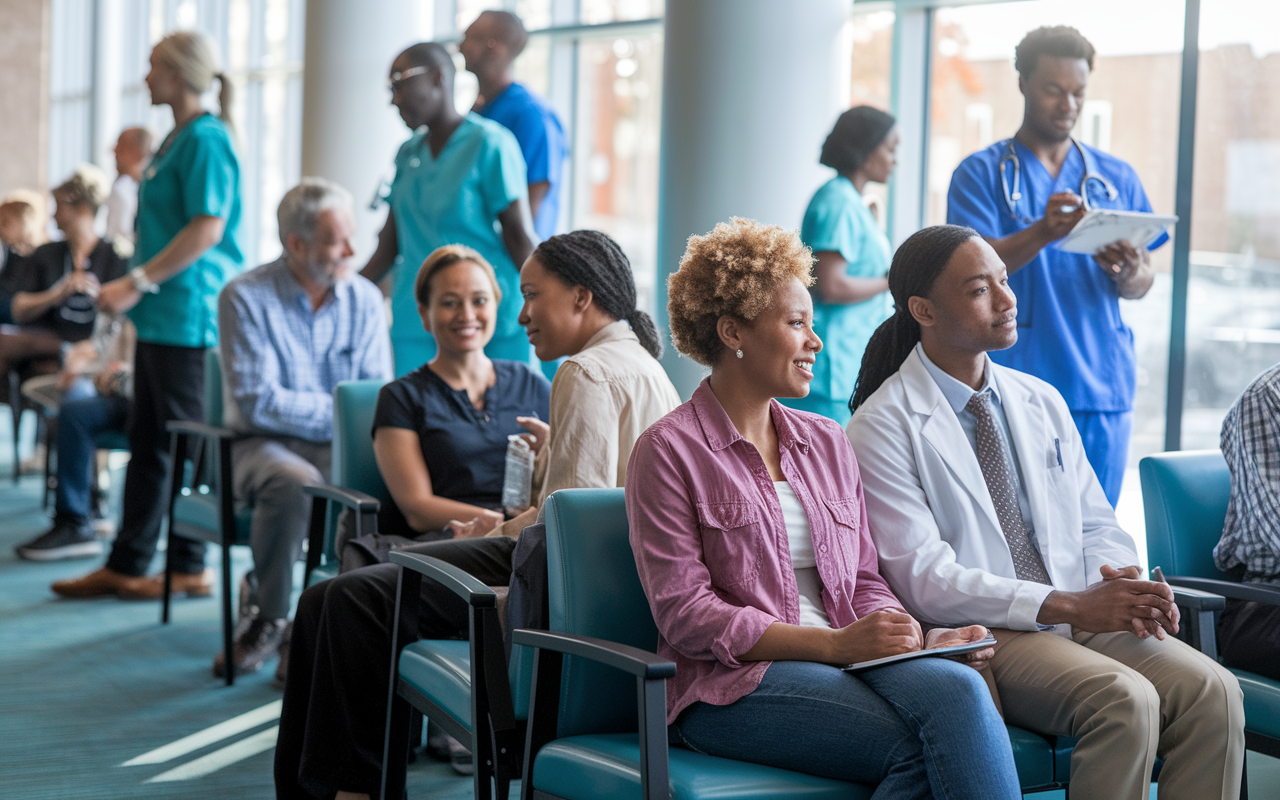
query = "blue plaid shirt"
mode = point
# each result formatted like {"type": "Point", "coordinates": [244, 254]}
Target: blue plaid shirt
{"type": "Point", "coordinates": [281, 360]}
{"type": "Point", "coordinates": [1251, 445]}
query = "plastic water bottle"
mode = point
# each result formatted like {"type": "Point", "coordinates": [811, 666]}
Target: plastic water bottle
{"type": "Point", "coordinates": [517, 480]}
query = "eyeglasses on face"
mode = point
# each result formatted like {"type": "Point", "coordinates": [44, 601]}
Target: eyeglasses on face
{"type": "Point", "coordinates": [398, 78]}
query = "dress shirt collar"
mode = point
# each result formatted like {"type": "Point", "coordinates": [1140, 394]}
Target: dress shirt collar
{"type": "Point", "coordinates": [292, 290]}
{"type": "Point", "coordinates": [957, 392]}
{"type": "Point", "coordinates": [720, 431]}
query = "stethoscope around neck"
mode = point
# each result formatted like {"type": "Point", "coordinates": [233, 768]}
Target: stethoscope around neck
{"type": "Point", "coordinates": [1014, 194]}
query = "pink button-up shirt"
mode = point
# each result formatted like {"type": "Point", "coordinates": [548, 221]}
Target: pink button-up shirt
{"type": "Point", "coordinates": [711, 545]}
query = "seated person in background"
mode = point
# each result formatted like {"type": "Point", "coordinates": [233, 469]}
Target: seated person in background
{"type": "Point", "coordinates": [579, 301]}
{"type": "Point", "coordinates": [54, 289]}
{"type": "Point", "coordinates": [290, 331]}
{"type": "Point", "coordinates": [984, 509]}
{"type": "Point", "coordinates": [1249, 632]}
{"type": "Point", "coordinates": [748, 533]}
{"type": "Point", "coordinates": [440, 432]}
{"type": "Point", "coordinates": [91, 395]}
{"type": "Point", "coordinates": [21, 225]}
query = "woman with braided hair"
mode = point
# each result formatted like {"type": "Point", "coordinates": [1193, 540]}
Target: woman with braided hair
{"type": "Point", "coordinates": [579, 304]}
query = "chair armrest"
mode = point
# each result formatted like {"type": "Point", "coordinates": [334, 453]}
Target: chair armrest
{"type": "Point", "coordinates": [350, 498]}
{"type": "Point", "coordinates": [455, 580]}
{"type": "Point", "coordinates": [201, 429]}
{"type": "Point", "coordinates": [1197, 600]}
{"type": "Point", "coordinates": [640, 663]}
{"type": "Point", "coordinates": [1257, 592]}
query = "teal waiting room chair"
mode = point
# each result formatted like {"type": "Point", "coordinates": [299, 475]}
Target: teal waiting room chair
{"type": "Point", "coordinates": [1185, 496]}
{"type": "Point", "coordinates": [597, 719]}
{"type": "Point", "coordinates": [354, 480]}
{"type": "Point", "coordinates": [201, 505]}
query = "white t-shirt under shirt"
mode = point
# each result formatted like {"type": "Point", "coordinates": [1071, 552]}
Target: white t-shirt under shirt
{"type": "Point", "coordinates": [800, 541]}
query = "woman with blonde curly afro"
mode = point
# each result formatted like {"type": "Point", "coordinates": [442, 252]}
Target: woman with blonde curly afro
{"type": "Point", "coordinates": [751, 543]}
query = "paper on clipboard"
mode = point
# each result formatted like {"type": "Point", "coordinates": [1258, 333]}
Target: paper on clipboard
{"type": "Point", "coordinates": [1102, 227]}
{"type": "Point", "coordinates": [954, 650]}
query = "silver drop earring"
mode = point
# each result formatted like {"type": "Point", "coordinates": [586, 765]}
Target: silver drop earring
{"type": "Point", "coordinates": [739, 353]}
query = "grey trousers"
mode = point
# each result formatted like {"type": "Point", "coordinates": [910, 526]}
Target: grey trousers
{"type": "Point", "coordinates": [269, 474]}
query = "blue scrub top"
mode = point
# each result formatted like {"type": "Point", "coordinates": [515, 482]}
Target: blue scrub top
{"type": "Point", "coordinates": [198, 175]}
{"type": "Point", "coordinates": [455, 199]}
{"type": "Point", "coordinates": [838, 221]}
{"type": "Point", "coordinates": [1070, 332]}
{"type": "Point", "coordinates": [541, 137]}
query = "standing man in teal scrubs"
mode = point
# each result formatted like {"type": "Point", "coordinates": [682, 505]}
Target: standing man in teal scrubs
{"type": "Point", "coordinates": [460, 181]}
{"type": "Point", "coordinates": [851, 257]}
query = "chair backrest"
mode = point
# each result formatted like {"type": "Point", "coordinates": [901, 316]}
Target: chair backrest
{"type": "Point", "coordinates": [213, 387]}
{"type": "Point", "coordinates": [353, 464]}
{"type": "Point", "coordinates": [594, 590]}
{"type": "Point", "coordinates": [1185, 496]}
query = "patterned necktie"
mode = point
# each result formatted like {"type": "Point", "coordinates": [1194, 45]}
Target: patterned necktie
{"type": "Point", "coordinates": [997, 469]}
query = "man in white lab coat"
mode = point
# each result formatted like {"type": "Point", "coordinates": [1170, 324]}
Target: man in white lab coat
{"type": "Point", "coordinates": [984, 509]}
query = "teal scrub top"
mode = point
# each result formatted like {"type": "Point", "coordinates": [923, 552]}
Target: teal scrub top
{"type": "Point", "coordinates": [198, 175]}
{"type": "Point", "coordinates": [455, 199]}
{"type": "Point", "coordinates": [838, 221]}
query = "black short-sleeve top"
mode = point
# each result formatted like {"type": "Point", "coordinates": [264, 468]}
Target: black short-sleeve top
{"type": "Point", "coordinates": [464, 447]}
{"type": "Point", "coordinates": [73, 319]}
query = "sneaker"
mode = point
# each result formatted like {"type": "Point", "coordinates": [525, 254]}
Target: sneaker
{"type": "Point", "coordinates": [66, 539]}
{"type": "Point", "coordinates": [460, 758]}
{"type": "Point", "coordinates": [252, 648]}
{"type": "Point", "coordinates": [247, 610]}
{"type": "Point", "coordinates": [282, 667]}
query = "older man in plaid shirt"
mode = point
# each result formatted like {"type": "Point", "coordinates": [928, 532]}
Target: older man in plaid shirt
{"type": "Point", "coordinates": [1249, 633]}
{"type": "Point", "coordinates": [289, 332]}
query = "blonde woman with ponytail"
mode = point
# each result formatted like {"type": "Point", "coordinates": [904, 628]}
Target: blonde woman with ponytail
{"type": "Point", "coordinates": [188, 247]}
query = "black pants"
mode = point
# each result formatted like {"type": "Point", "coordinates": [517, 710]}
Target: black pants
{"type": "Point", "coordinates": [335, 699]}
{"type": "Point", "coordinates": [168, 384]}
{"type": "Point", "coordinates": [1249, 637]}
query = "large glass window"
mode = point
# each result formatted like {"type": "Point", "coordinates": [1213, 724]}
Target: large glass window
{"type": "Point", "coordinates": [1233, 317]}
{"type": "Point", "coordinates": [871, 34]}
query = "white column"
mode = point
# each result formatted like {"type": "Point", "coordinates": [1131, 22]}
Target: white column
{"type": "Point", "coordinates": [108, 58]}
{"type": "Point", "coordinates": [750, 90]}
{"type": "Point", "coordinates": [910, 101]}
{"type": "Point", "coordinates": [350, 131]}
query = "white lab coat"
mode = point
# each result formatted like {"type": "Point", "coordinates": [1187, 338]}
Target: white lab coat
{"type": "Point", "coordinates": [939, 540]}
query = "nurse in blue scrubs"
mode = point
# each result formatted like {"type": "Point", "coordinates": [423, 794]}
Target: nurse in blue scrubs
{"type": "Point", "coordinates": [851, 257]}
{"type": "Point", "coordinates": [459, 181]}
{"type": "Point", "coordinates": [1070, 332]}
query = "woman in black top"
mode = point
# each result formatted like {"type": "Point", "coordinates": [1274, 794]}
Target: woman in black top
{"type": "Point", "coordinates": [440, 432]}
{"type": "Point", "coordinates": [53, 289]}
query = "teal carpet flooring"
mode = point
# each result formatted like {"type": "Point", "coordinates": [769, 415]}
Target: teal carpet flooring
{"type": "Point", "coordinates": [100, 700]}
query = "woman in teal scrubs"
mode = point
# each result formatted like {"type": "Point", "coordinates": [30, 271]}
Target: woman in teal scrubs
{"type": "Point", "coordinates": [851, 257]}
{"type": "Point", "coordinates": [188, 246]}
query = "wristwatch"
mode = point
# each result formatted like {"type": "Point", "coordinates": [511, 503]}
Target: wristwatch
{"type": "Point", "coordinates": [141, 282]}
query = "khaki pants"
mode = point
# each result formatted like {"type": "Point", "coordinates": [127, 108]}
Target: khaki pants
{"type": "Point", "coordinates": [1129, 700]}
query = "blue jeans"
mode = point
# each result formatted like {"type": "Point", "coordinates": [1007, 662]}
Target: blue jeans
{"type": "Point", "coordinates": [920, 729]}
{"type": "Point", "coordinates": [79, 422]}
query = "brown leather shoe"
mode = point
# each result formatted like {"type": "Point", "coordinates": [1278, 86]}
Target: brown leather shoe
{"type": "Point", "coordinates": [192, 584]}
{"type": "Point", "coordinates": [98, 583]}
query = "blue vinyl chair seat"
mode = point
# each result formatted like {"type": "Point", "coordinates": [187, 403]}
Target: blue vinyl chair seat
{"type": "Point", "coordinates": [1261, 703]}
{"type": "Point", "coordinates": [1186, 495]}
{"type": "Point", "coordinates": [608, 765]}
{"type": "Point", "coordinates": [595, 591]}
{"type": "Point", "coordinates": [195, 516]}
{"type": "Point", "coordinates": [441, 670]}
{"type": "Point", "coordinates": [111, 440]}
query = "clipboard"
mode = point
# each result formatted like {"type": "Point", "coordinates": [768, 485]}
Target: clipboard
{"type": "Point", "coordinates": [1102, 227]}
{"type": "Point", "coordinates": [953, 650]}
